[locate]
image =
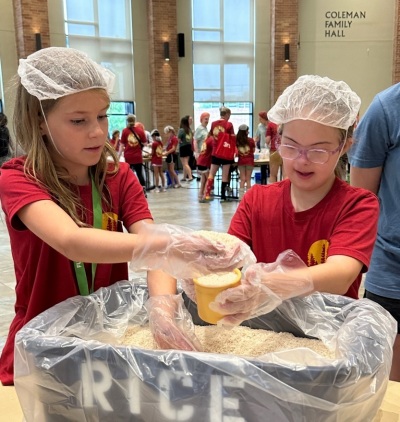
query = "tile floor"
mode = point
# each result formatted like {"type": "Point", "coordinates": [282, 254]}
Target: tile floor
{"type": "Point", "coordinates": [176, 206]}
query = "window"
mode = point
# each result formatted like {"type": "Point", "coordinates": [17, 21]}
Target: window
{"type": "Point", "coordinates": [223, 58]}
{"type": "Point", "coordinates": [117, 115]}
{"type": "Point", "coordinates": [102, 29]}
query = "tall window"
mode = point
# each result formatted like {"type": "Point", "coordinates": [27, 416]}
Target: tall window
{"type": "Point", "coordinates": [103, 29]}
{"type": "Point", "coordinates": [223, 58]}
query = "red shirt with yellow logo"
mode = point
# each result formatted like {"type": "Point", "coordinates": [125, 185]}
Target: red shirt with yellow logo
{"type": "Point", "coordinates": [44, 277]}
{"type": "Point", "coordinates": [246, 153]}
{"type": "Point", "coordinates": [157, 153]}
{"type": "Point", "coordinates": [133, 144]}
{"type": "Point", "coordinates": [342, 223]}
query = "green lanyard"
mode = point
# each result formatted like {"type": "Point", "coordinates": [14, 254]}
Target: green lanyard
{"type": "Point", "coordinates": [79, 266]}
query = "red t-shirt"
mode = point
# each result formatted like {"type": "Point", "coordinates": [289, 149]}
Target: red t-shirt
{"type": "Point", "coordinates": [44, 277]}
{"type": "Point", "coordinates": [342, 223]}
{"type": "Point", "coordinates": [221, 125]}
{"type": "Point", "coordinates": [133, 148]}
{"type": "Point", "coordinates": [204, 158]}
{"type": "Point", "coordinates": [272, 131]}
{"type": "Point", "coordinates": [246, 154]}
{"type": "Point", "coordinates": [173, 142]}
{"type": "Point", "coordinates": [156, 153]}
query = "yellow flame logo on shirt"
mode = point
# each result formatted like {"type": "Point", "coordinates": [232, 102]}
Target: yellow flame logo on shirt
{"type": "Point", "coordinates": [244, 150]}
{"type": "Point", "coordinates": [132, 141]}
{"type": "Point", "coordinates": [217, 130]}
{"type": "Point", "coordinates": [109, 221]}
{"type": "Point", "coordinates": [318, 252]}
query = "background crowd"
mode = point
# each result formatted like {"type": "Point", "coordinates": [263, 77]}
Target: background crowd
{"type": "Point", "coordinates": [198, 153]}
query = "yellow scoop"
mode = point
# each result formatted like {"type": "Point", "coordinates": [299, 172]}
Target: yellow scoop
{"type": "Point", "coordinates": [208, 287]}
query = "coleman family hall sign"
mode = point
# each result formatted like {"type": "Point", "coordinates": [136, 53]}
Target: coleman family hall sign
{"type": "Point", "coordinates": [338, 23]}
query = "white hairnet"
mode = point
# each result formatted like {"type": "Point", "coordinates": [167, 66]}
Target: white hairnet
{"type": "Point", "coordinates": [312, 97]}
{"type": "Point", "coordinates": [55, 72]}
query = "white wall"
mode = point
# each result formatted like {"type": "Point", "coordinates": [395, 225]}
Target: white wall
{"type": "Point", "coordinates": [360, 53]}
{"type": "Point", "coordinates": [8, 56]}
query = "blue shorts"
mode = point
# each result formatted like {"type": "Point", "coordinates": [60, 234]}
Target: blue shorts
{"type": "Point", "coordinates": [391, 305]}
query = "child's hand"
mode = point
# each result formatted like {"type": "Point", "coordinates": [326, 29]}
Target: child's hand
{"type": "Point", "coordinates": [171, 324]}
{"type": "Point", "coordinates": [185, 254]}
{"type": "Point", "coordinates": [263, 288]}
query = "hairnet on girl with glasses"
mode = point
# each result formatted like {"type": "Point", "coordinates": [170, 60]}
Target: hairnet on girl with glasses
{"type": "Point", "coordinates": [316, 98]}
{"type": "Point", "coordinates": [55, 72]}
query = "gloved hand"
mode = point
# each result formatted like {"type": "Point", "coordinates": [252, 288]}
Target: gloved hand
{"type": "Point", "coordinates": [171, 324]}
{"type": "Point", "coordinates": [183, 253]}
{"type": "Point", "coordinates": [189, 289]}
{"type": "Point", "coordinates": [263, 288]}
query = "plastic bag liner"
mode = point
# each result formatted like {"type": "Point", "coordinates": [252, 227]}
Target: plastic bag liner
{"type": "Point", "coordinates": [70, 366]}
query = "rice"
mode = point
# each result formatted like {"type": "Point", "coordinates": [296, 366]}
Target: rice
{"type": "Point", "coordinates": [225, 238]}
{"type": "Point", "coordinates": [240, 341]}
{"type": "Point", "coordinates": [217, 279]}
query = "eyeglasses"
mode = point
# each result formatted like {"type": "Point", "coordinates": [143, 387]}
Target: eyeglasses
{"type": "Point", "coordinates": [316, 156]}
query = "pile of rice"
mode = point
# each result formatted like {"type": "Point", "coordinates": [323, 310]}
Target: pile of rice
{"type": "Point", "coordinates": [225, 238]}
{"type": "Point", "coordinates": [240, 341]}
{"type": "Point", "coordinates": [217, 279]}
{"type": "Point", "coordinates": [220, 278]}
{"type": "Point", "coordinates": [228, 240]}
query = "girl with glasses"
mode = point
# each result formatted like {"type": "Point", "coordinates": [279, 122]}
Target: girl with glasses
{"type": "Point", "coordinates": [328, 224]}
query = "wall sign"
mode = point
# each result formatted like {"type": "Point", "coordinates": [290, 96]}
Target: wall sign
{"type": "Point", "coordinates": [338, 23]}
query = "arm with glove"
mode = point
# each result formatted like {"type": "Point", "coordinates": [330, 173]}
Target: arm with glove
{"type": "Point", "coordinates": [169, 252]}
{"type": "Point", "coordinates": [263, 288]}
{"type": "Point", "coordinates": [185, 253]}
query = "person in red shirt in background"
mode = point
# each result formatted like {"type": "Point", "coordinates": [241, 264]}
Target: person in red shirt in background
{"type": "Point", "coordinates": [203, 165]}
{"type": "Point", "coordinates": [246, 147]}
{"type": "Point", "coordinates": [221, 125]}
{"type": "Point", "coordinates": [157, 161]}
{"type": "Point", "coordinates": [275, 160]}
{"type": "Point", "coordinates": [114, 141]}
{"type": "Point", "coordinates": [171, 154]}
{"type": "Point", "coordinates": [133, 139]}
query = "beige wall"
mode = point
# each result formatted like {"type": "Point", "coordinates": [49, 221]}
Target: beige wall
{"type": "Point", "coordinates": [185, 68]}
{"type": "Point", "coordinates": [141, 70]}
{"type": "Point", "coordinates": [361, 54]}
{"type": "Point", "coordinates": [56, 23]}
{"type": "Point", "coordinates": [262, 58]}
{"type": "Point", "coordinates": [8, 54]}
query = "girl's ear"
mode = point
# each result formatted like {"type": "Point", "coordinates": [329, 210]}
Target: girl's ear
{"type": "Point", "coordinates": [347, 145]}
{"type": "Point", "coordinates": [42, 124]}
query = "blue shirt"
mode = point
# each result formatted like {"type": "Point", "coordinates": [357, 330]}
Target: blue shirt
{"type": "Point", "coordinates": [377, 144]}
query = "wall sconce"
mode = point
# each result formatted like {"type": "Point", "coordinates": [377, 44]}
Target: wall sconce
{"type": "Point", "coordinates": [287, 53]}
{"type": "Point", "coordinates": [38, 41]}
{"type": "Point", "coordinates": [166, 51]}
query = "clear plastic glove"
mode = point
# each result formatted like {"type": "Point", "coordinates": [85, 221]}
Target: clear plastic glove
{"type": "Point", "coordinates": [263, 288]}
{"type": "Point", "coordinates": [189, 289]}
{"type": "Point", "coordinates": [171, 324]}
{"type": "Point", "coordinates": [182, 253]}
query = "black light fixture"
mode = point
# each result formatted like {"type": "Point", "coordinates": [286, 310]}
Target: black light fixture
{"type": "Point", "coordinates": [38, 41]}
{"type": "Point", "coordinates": [166, 51]}
{"type": "Point", "coordinates": [287, 53]}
